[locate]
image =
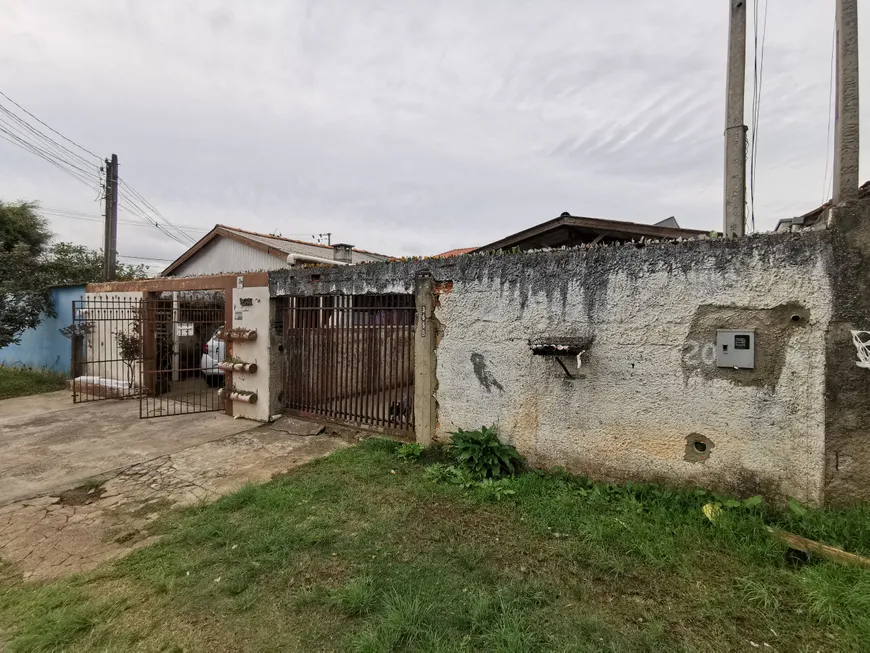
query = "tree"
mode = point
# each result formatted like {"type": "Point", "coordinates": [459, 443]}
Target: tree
{"type": "Point", "coordinates": [24, 295]}
{"type": "Point", "coordinates": [30, 265]}
{"type": "Point", "coordinates": [69, 264]}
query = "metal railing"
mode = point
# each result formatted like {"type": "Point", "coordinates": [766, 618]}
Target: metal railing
{"type": "Point", "coordinates": [351, 358]}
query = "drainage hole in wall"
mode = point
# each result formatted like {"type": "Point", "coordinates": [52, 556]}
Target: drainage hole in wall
{"type": "Point", "coordinates": [795, 318]}
{"type": "Point", "coordinates": [700, 447]}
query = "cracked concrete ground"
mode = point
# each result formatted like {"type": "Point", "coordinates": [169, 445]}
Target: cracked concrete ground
{"type": "Point", "coordinates": [85, 525]}
{"type": "Point", "coordinates": [49, 444]}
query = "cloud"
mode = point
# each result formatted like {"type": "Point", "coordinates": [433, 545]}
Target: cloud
{"type": "Point", "coordinates": [410, 128]}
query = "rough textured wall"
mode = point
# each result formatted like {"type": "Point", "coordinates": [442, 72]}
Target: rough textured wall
{"type": "Point", "coordinates": [848, 386]}
{"type": "Point", "coordinates": [252, 309]}
{"type": "Point", "coordinates": [648, 401]}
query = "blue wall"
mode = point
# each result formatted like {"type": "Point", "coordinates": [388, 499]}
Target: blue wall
{"type": "Point", "coordinates": [44, 346]}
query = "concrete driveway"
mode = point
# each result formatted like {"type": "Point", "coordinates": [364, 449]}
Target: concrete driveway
{"type": "Point", "coordinates": [48, 444]}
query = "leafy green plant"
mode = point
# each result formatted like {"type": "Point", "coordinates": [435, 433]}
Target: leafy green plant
{"type": "Point", "coordinates": [410, 452]}
{"type": "Point", "coordinates": [497, 489]}
{"type": "Point", "coordinates": [483, 454]}
{"type": "Point", "coordinates": [441, 473]}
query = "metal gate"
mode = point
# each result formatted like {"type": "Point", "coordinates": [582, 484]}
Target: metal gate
{"type": "Point", "coordinates": [106, 355]}
{"type": "Point", "coordinates": [351, 358]}
{"type": "Point", "coordinates": [161, 351]}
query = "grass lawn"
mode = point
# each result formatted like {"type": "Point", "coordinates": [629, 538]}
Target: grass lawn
{"type": "Point", "coordinates": [20, 381]}
{"type": "Point", "coordinates": [363, 552]}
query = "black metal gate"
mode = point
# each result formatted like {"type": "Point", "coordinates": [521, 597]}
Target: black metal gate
{"type": "Point", "coordinates": [161, 351]}
{"type": "Point", "coordinates": [181, 356]}
{"type": "Point", "coordinates": [351, 358]}
{"type": "Point", "coordinates": [106, 355]}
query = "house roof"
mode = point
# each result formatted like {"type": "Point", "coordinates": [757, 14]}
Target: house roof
{"type": "Point", "coordinates": [568, 230]}
{"type": "Point", "coordinates": [811, 217]}
{"type": "Point", "coordinates": [455, 252]}
{"type": "Point", "coordinates": [277, 246]}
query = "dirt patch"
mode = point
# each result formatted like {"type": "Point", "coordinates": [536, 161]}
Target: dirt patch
{"type": "Point", "coordinates": [82, 495]}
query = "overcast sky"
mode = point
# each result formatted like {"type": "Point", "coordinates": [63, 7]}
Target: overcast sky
{"type": "Point", "coordinates": [412, 127]}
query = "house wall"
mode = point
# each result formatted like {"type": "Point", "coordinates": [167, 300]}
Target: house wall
{"type": "Point", "coordinates": [227, 256]}
{"type": "Point", "coordinates": [648, 388]}
{"type": "Point", "coordinates": [45, 347]}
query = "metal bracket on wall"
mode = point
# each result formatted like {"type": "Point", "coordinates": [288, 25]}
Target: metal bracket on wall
{"type": "Point", "coordinates": [567, 373]}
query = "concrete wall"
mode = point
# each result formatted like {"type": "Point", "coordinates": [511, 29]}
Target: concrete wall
{"type": "Point", "coordinates": [648, 389]}
{"type": "Point", "coordinates": [45, 347]}
{"type": "Point", "coordinates": [252, 309]}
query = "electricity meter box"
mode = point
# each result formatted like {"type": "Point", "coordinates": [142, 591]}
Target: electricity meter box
{"type": "Point", "coordinates": [735, 348]}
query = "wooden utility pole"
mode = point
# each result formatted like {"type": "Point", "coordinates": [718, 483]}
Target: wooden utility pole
{"type": "Point", "coordinates": [735, 130]}
{"type": "Point", "coordinates": [110, 236]}
{"type": "Point", "coordinates": [846, 143]}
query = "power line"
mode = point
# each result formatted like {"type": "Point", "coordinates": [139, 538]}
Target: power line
{"type": "Point", "coordinates": [29, 138]}
{"type": "Point", "coordinates": [68, 140]}
{"type": "Point", "coordinates": [147, 258]}
{"type": "Point", "coordinates": [81, 215]}
{"type": "Point", "coordinates": [757, 83]}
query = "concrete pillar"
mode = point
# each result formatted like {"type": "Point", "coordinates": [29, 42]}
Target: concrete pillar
{"type": "Point", "coordinates": [734, 222]}
{"type": "Point", "coordinates": [425, 409]}
{"type": "Point", "coordinates": [846, 138]}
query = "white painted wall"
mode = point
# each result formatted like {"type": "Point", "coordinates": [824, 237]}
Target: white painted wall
{"type": "Point", "coordinates": [256, 316]}
{"type": "Point", "coordinates": [227, 256]}
{"type": "Point", "coordinates": [110, 313]}
{"type": "Point", "coordinates": [630, 416]}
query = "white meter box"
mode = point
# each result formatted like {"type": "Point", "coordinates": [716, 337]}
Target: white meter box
{"type": "Point", "coordinates": [735, 348]}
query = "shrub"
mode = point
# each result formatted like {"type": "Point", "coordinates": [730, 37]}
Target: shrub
{"type": "Point", "coordinates": [497, 489]}
{"type": "Point", "coordinates": [410, 452]}
{"type": "Point", "coordinates": [483, 455]}
{"type": "Point", "coordinates": [441, 473]}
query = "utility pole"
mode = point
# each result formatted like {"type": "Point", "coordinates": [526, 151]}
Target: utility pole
{"type": "Point", "coordinates": [110, 238]}
{"type": "Point", "coordinates": [846, 145]}
{"type": "Point", "coordinates": [735, 131]}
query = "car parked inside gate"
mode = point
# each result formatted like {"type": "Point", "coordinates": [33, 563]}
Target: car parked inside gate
{"type": "Point", "coordinates": [213, 352]}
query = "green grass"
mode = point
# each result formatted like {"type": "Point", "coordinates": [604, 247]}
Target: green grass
{"type": "Point", "coordinates": [363, 552]}
{"type": "Point", "coordinates": [22, 381]}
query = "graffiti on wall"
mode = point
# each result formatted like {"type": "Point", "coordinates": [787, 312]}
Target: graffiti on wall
{"type": "Point", "coordinates": [861, 340]}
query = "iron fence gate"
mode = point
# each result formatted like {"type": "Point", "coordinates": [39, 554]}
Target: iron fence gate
{"type": "Point", "coordinates": [181, 355]}
{"type": "Point", "coordinates": [161, 351]}
{"type": "Point", "coordinates": [106, 356]}
{"type": "Point", "coordinates": [351, 358]}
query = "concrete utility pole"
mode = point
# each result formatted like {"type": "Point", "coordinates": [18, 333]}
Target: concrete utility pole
{"type": "Point", "coordinates": [735, 130]}
{"type": "Point", "coordinates": [846, 145]}
{"type": "Point", "coordinates": [110, 237]}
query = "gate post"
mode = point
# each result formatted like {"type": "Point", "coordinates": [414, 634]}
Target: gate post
{"type": "Point", "coordinates": [425, 409]}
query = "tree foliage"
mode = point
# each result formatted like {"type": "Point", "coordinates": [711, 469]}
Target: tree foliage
{"type": "Point", "coordinates": [30, 265]}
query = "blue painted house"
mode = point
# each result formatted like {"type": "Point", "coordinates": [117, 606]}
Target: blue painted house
{"type": "Point", "coordinates": [45, 347]}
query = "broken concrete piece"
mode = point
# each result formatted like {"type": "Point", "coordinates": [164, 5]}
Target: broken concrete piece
{"type": "Point", "coordinates": [41, 502]}
{"type": "Point", "coordinates": [295, 426]}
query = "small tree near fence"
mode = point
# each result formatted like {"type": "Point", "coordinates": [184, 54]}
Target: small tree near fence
{"type": "Point", "coordinates": [130, 348]}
